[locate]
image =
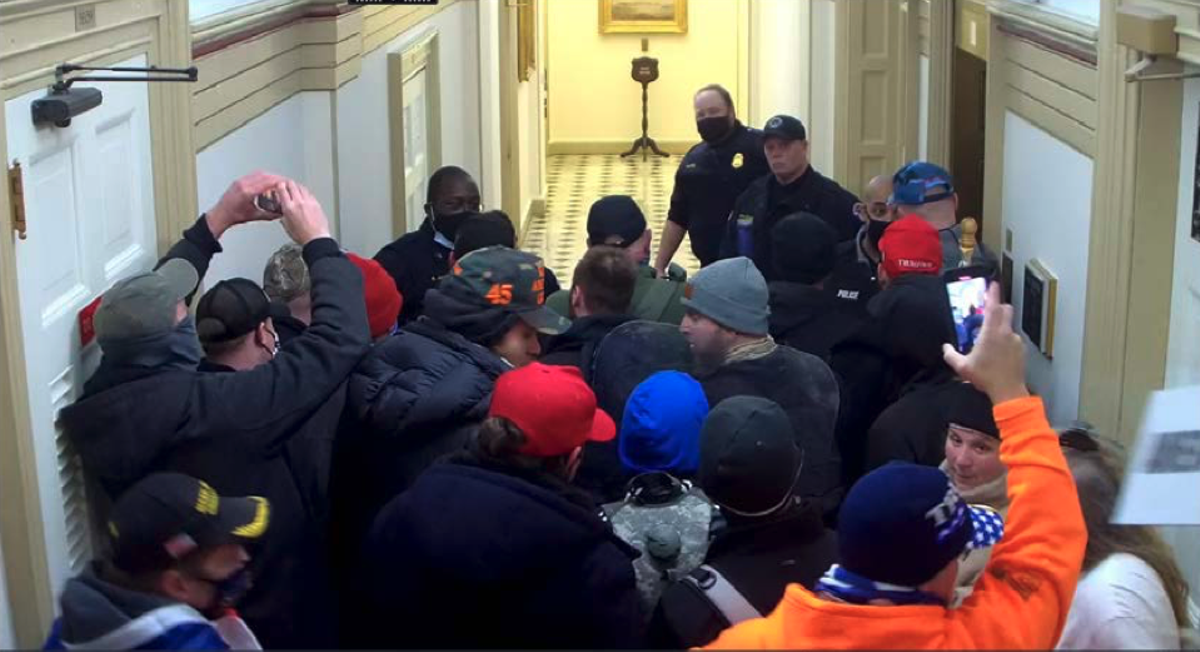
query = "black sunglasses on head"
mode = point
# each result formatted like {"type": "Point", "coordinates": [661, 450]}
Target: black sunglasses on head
{"type": "Point", "coordinates": [1081, 437]}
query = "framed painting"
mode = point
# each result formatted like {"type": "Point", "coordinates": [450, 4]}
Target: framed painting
{"type": "Point", "coordinates": [643, 16]}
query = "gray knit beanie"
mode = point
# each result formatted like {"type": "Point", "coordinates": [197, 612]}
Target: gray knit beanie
{"type": "Point", "coordinates": [732, 293]}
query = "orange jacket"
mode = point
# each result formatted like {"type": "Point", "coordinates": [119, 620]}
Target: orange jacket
{"type": "Point", "coordinates": [1022, 600]}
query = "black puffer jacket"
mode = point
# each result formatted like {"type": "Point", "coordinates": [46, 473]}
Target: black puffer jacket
{"type": "Point", "coordinates": [417, 396]}
{"type": "Point", "coordinates": [807, 390]}
{"type": "Point", "coordinates": [477, 556]}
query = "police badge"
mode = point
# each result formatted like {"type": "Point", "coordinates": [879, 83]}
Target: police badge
{"type": "Point", "coordinates": [737, 160]}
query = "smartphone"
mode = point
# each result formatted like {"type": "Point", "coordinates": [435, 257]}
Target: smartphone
{"type": "Point", "coordinates": [267, 202]}
{"type": "Point", "coordinates": [968, 297]}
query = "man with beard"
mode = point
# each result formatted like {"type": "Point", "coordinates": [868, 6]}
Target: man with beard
{"type": "Point", "coordinates": [418, 259]}
{"type": "Point", "coordinates": [727, 326]}
{"type": "Point", "coordinates": [710, 178]}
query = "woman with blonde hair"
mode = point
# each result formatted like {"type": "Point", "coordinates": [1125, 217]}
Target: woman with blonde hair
{"type": "Point", "coordinates": [1132, 594]}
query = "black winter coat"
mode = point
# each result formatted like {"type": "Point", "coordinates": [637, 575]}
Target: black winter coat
{"type": "Point", "coordinates": [766, 202]}
{"type": "Point", "coordinates": [811, 319]}
{"type": "Point", "coordinates": [807, 390]}
{"type": "Point", "coordinates": [759, 557]}
{"type": "Point", "coordinates": [631, 353]}
{"type": "Point", "coordinates": [475, 557]}
{"type": "Point", "coordinates": [415, 261]}
{"type": "Point", "coordinates": [897, 349]}
{"type": "Point", "coordinates": [577, 346]}
{"type": "Point", "coordinates": [417, 396]}
{"type": "Point", "coordinates": [707, 184]}
{"type": "Point", "coordinates": [238, 432]}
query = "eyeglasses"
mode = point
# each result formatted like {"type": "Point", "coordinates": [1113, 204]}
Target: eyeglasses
{"type": "Point", "coordinates": [875, 210]}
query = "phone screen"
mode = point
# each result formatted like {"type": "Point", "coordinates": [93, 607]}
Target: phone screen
{"type": "Point", "coordinates": [967, 299]}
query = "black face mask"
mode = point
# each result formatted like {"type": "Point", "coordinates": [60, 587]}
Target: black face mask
{"type": "Point", "coordinates": [714, 130]}
{"type": "Point", "coordinates": [447, 224]}
{"type": "Point", "coordinates": [228, 592]}
{"type": "Point", "coordinates": [875, 231]}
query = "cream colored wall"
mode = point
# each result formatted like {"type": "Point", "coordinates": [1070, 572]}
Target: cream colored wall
{"type": "Point", "coordinates": [594, 100]}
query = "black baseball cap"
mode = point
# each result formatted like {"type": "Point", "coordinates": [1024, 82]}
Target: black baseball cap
{"type": "Point", "coordinates": [785, 127]}
{"type": "Point", "coordinates": [615, 220]}
{"type": "Point", "coordinates": [512, 280]}
{"type": "Point", "coordinates": [233, 308]}
{"type": "Point", "coordinates": [749, 459]}
{"type": "Point", "coordinates": [167, 516]}
{"type": "Point", "coordinates": [490, 229]}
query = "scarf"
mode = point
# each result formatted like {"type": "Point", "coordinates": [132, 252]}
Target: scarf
{"type": "Point", "coordinates": [994, 494]}
{"type": "Point", "coordinates": [846, 586]}
{"type": "Point", "coordinates": [752, 350]}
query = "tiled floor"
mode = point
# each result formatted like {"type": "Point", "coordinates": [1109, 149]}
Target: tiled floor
{"type": "Point", "coordinates": [575, 181]}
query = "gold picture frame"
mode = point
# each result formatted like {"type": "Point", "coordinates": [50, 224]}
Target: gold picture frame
{"type": "Point", "coordinates": [643, 17]}
{"type": "Point", "coordinates": [526, 39]}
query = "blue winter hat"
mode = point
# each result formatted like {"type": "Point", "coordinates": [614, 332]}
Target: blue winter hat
{"type": "Point", "coordinates": [902, 524]}
{"type": "Point", "coordinates": [661, 427]}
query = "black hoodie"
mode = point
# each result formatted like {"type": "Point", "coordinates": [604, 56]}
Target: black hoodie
{"type": "Point", "coordinates": [810, 319]}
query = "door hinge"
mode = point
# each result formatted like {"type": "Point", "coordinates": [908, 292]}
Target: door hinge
{"type": "Point", "coordinates": [16, 199]}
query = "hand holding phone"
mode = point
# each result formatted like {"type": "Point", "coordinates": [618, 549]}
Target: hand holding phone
{"type": "Point", "coordinates": [968, 300]}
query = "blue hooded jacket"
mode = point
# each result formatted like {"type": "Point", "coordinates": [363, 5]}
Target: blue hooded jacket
{"type": "Point", "coordinates": [660, 429]}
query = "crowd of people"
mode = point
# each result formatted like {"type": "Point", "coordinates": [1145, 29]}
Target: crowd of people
{"type": "Point", "coordinates": [443, 447]}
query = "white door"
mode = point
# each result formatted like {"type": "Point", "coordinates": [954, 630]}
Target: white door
{"type": "Point", "coordinates": [89, 203]}
{"type": "Point", "coordinates": [1183, 359]}
{"type": "Point", "coordinates": [416, 148]}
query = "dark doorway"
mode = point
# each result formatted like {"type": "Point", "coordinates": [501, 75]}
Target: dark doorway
{"type": "Point", "coordinates": [968, 132]}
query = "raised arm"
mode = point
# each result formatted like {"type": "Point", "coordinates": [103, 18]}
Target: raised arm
{"type": "Point", "coordinates": [1023, 598]}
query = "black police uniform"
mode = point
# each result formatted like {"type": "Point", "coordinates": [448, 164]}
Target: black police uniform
{"type": "Point", "coordinates": [766, 202]}
{"type": "Point", "coordinates": [708, 182]}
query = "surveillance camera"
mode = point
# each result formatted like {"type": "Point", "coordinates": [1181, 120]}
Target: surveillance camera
{"type": "Point", "coordinates": [61, 105]}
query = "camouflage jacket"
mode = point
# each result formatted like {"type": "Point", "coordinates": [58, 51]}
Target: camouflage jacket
{"type": "Point", "coordinates": [671, 529]}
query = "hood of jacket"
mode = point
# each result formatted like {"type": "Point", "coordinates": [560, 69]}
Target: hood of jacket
{"type": "Point", "coordinates": [794, 305]}
{"type": "Point", "coordinates": [505, 527]}
{"type": "Point", "coordinates": [421, 380]}
{"type": "Point", "coordinates": [101, 615]}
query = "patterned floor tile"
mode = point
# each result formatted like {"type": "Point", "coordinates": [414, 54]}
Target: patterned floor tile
{"type": "Point", "coordinates": [575, 181]}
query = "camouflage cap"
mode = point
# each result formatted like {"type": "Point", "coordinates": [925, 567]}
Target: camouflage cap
{"type": "Point", "coordinates": [286, 276]}
{"type": "Point", "coordinates": [512, 280]}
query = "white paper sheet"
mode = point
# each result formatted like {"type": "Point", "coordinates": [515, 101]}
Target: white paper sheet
{"type": "Point", "coordinates": [1162, 482]}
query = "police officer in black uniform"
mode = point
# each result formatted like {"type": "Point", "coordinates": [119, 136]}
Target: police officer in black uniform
{"type": "Point", "coordinates": [792, 187]}
{"type": "Point", "coordinates": [710, 178]}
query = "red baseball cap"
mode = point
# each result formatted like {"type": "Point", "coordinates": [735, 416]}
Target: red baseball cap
{"type": "Point", "coordinates": [553, 407]}
{"type": "Point", "coordinates": [383, 299]}
{"type": "Point", "coordinates": [911, 246]}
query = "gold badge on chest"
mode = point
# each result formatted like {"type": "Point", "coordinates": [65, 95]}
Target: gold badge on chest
{"type": "Point", "coordinates": [737, 160]}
